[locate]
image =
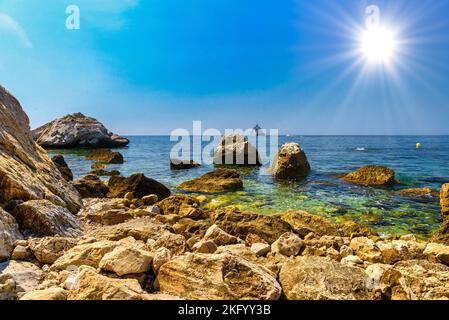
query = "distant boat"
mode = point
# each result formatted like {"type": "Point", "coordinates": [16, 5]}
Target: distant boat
{"type": "Point", "coordinates": [360, 149]}
{"type": "Point", "coordinates": [258, 131]}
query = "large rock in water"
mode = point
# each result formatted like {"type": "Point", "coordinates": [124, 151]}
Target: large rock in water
{"type": "Point", "coordinates": [77, 131]}
{"type": "Point", "coordinates": [220, 180]}
{"type": "Point", "coordinates": [290, 163]}
{"type": "Point", "coordinates": [235, 149]}
{"type": "Point", "coordinates": [9, 232]}
{"type": "Point", "coordinates": [221, 276]}
{"type": "Point", "coordinates": [26, 171]}
{"type": "Point", "coordinates": [138, 184]}
{"type": "Point", "coordinates": [444, 200]}
{"type": "Point", "coordinates": [372, 175]}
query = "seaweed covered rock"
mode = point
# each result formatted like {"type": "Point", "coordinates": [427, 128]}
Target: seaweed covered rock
{"type": "Point", "coordinates": [138, 184]}
{"type": "Point", "coordinates": [77, 131]}
{"type": "Point", "coordinates": [220, 180]}
{"type": "Point", "coordinates": [290, 163]}
{"type": "Point", "coordinates": [372, 175]}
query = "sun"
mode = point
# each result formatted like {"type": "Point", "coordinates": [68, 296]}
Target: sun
{"type": "Point", "coordinates": [378, 44]}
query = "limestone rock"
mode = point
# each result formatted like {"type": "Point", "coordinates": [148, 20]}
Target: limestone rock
{"type": "Point", "coordinates": [9, 232]}
{"type": "Point", "coordinates": [437, 253]}
{"type": "Point", "coordinates": [217, 277]}
{"type": "Point", "coordinates": [24, 277]}
{"type": "Point", "coordinates": [288, 244]}
{"type": "Point", "coordinates": [304, 223]}
{"type": "Point", "coordinates": [176, 243]}
{"type": "Point", "coordinates": [205, 246]}
{"type": "Point", "coordinates": [182, 205]}
{"type": "Point", "coordinates": [442, 234]}
{"type": "Point", "coordinates": [49, 249]}
{"type": "Point", "coordinates": [176, 164]}
{"type": "Point", "coordinates": [351, 261]}
{"type": "Point", "coordinates": [419, 192]}
{"type": "Point", "coordinates": [125, 260]}
{"type": "Point", "coordinates": [138, 184]}
{"type": "Point", "coordinates": [26, 171]}
{"type": "Point", "coordinates": [319, 278]}
{"type": "Point", "coordinates": [290, 163]}
{"type": "Point", "coordinates": [218, 236]}
{"type": "Point", "coordinates": [161, 256]}
{"type": "Point", "coordinates": [77, 131]}
{"type": "Point", "coordinates": [366, 249]}
{"type": "Point", "coordinates": [20, 253]}
{"type": "Point", "coordinates": [260, 249]}
{"type": "Point", "coordinates": [220, 180]}
{"type": "Point", "coordinates": [91, 186]}
{"type": "Point", "coordinates": [46, 294]}
{"type": "Point", "coordinates": [394, 251]}
{"type": "Point", "coordinates": [150, 199]}
{"type": "Point", "coordinates": [372, 175]}
{"type": "Point", "coordinates": [444, 200]}
{"type": "Point", "coordinates": [235, 149]}
{"type": "Point", "coordinates": [62, 166]}
{"type": "Point", "coordinates": [106, 156]}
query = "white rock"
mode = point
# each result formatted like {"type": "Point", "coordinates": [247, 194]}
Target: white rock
{"type": "Point", "coordinates": [260, 249]}
{"type": "Point", "coordinates": [288, 244]}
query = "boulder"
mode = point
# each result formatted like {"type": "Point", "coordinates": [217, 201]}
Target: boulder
{"type": "Point", "coordinates": [319, 278]}
{"type": "Point", "coordinates": [77, 131]}
{"type": "Point", "coordinates": [42, 218]}
{"type": "Point", "coordinates": [304, 223]}
{"type": "Point", "coordinates": [176, 243]}
{"type": "Point", "coordinates": [161, 256]}
{"type": "Point", "coordinates": [218, 236]}
{"type": "Point", "coordinates": [105, 173]}
{"type": "Point", "coordinates": [91, 186]}
{"type": "Point", "coordinates": [18, 278]}
{"type": "Point", "coordinates": [221, 276]}
{"type": "Point", "coordinates": [235, 149]}
{"type": "Point", "coordinates": [442, 234]}
{"type": "Point", "coordinates": [21, 253]}
{"type": "Point", "coordinates": [240, 224]}
{"type": "Point", "coordinates": [62, 166]}
{"type": "Point", "coordinates": [260, 249]}
{"type": "Point", "coordinates": [220, 180]}
{"type": "Point", "coordinates": [182, 205]}
{"type": "Point", "coordinates": [288, 244]}
{"type": "Point", "coordinates": [436, 252]}
{"type": "Point", "coordinates": [9, 233]}
{"type": "Point", "coordinates": [56, 294]}
{"type": "Point", "coordinates": [150, 199]}
{"type": "Point", "coordinates": [176, 164]}
{"type": "Point", "coordinates": [444, 200]}
{"type": "Point", "coordinates": [98, 166]}
{"type": "Point", "coordinates": [290, 163]}
{"type": "Point", "coordinates": [372, 175]}
{"type": "Point", "coordinates": [366, 249]}
{"type": "Point", "coordinates": [138, 184]}
{"type": "Point", "coordinates": [106, 156]}
{"type": "Point", "coordinates": [26, 171]}
{"type": "Point", "coordinates": [205, 246]}
{"type": "Point", "coordinates": [393, 252]}
{"type": "Point", "coordinates": [125, 260]}
{"type": "Point", "coordinates": [48, 249]}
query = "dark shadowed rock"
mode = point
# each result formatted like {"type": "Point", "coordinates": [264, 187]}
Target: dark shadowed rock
{"type": "Point", "coordinates": [91, 186]}
{"type": "Point", "coordinates": [220, 180]}
{"type": "Point", "coordinates": [105, 173]}
{"type": "Point", "coordinates": [290, 163]}
{"type": "Point", "coordinates": [77, 131]}
{"type": "Point", "coordinates": [63, 167]}
{"type": "Point", "coordinates": [138, 184]}
{"type": "Point", "coordinates": [176, 164]}
{"type": "Point", "coordinates": [105, 156]}
{"type": "Point", "coordinates": [372, 175]}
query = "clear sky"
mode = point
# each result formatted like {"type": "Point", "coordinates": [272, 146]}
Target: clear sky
{"type": "Point", "coordinates": [150, 66]}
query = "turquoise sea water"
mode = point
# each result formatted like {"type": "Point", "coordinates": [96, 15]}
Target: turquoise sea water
{"type": "Point", "coordinates": [385, 210]}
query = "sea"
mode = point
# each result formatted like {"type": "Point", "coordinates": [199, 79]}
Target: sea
{"type": "Point", "coordinates": [323, 192]}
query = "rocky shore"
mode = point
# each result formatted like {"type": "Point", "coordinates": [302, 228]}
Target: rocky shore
{"type": "Point", "coordinates": [132, 239]}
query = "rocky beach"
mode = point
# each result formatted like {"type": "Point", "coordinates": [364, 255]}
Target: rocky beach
{"type": "Point", "coordinates": [108, 236]}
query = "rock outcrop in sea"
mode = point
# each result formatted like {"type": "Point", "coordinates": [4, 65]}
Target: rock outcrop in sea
{"type": "Point", "coordinates": [77, 131]}
{"type": "Point", "coordinates": [235, 149]}
{"type": "Point", "coordinates": [372, 176]}
{"type": "Point", "coordinates": [290, 163]}
{"type": "Point", "coordinates": [220, 180]}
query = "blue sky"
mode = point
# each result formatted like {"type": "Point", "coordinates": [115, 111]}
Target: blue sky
{"type": "Point", "coordinates": [150, 66]}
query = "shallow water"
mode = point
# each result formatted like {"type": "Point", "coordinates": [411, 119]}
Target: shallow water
{"type": "Point", "coordinates": [322, 192]}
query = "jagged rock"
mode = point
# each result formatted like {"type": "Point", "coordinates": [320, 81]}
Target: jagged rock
{"type": "Point", "coordinates": [375, 273]}
{"type": "Point", "coordinates": [290, 163]}
{"type": "Point", "coordinates": [239, 224]}
{"type": "Point", "coordinates": [106, 156]}
{"type": "Point", "coordinates": [288, 244]}
{"type": "Point", "coordinates": [42, 218]}
{"type": "Point", "coordinates": [220, 180]}
{"type": "Point", "coordinates": [366, 249]}
{"type": "Point", "coordinates": [218, 236]}
{"type": "Point", "coordinates": [442, 234]}
{"type": "Point", "coordinates": [161, 256]}
{"type": "Point", "coordinates": [217, 277]}
{"type": "Point", "coordinates": [20, 253]}
{"type": "Point", "coordinates": [182, 205]}
{"type": "Point", "coordinates": [91, 186]}
{"type": "Point", "coordinates": [176, 243]}
{"type": "Point", "coordinates": [318, 278]}
{"type": "Point", "coordinates": [304, 223]}
{"type": "Point", "coordinates": [176, 164]}
{"type": "Point", "coordinates": [393, 252]}
{"type": "Point", "coordinates": [18, 278]}
{"type": "Point", "coordinates": [419, 192]}
{"type": "Point", "coordinates": [372, 175]}
{"type": "Point", "coordinates": [444, 200]}
{"type": "Point", "coordinates": [205, 246]}
{"type": "Point", "coordinates": [26, 171]}
{"type": "Point", "coordinates": [351, 261]}
{"type": "Point", "coordinates": [93, 286]}
{"type": "Point", "coordinates": [260, 249]}
{"type": "Point", "coordinates": [105, 173]}
{"type": "Point", "coordinates": [346, 251]}
{"type": "Point", "coordinates": [77, 131]}
{"type": "Point", "coordinates": [49, 249]}
{"type": "Point", "coordinates": [436, 252]}
{"type": "Point", "coordinates": [150, 199]}
{"type": "Point", "coordinates": [138, 184]}
{"type": "Point", "coordinates": [126, 260]}
{"type": "Point", "coordinates": [93, 205]}
{"type": "Point", "coordinates": [252, 238]}
{"type": "Point", "coordinates": [62, 166]}
{"type": "Point", "coordinates": [189, 227]}
{"type": "Point", "coordinates": [235, 149]}
{"type": "Point", "coordinates": [46, 294]}
{"type": "Point", "coordinates": [9, 232]}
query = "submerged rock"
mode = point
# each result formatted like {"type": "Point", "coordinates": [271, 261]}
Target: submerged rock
{"type": "Point", "coordinates": [220, 180]}
{"type": "Point", "coordinates": [63, 167]}
{"type": "Point", "coordinates": [138, 184]}
{"type": "Point", "coordinates": [290, 163]}
{"type": "Point", "coordinates": [26, 171]}
{"type": "Point", "coordinates": [235, 149]}
{"type": "Point", "coordinates": [419, 192]}
{"type": "Point", "coordinates": [77, 131]}
{"type": "Point", "coordinates": [91, 186]}
{"type": "Point", "coordinates": [106, 156]}
{"type": "Point", "coordinates": [9, 233]}
{"type": "Point", "coordinates": [372, 175]}
{"type": "Point", "coordinates": [176, 164]}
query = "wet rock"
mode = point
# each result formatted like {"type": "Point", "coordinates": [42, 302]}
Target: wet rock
{"type": "Point", "coordinates": [18, 278]}
{"type": "Point", "coordinates": [26, 171]}
{"type": "Point", "coordinates": [205, 246]}
{"type": "Point", "coordinates": [176, 164]}
{"type": "Point", "coordinates": [126, 260]}
{"type": "Point", "coordinates": [419, 192]}
{"type": "Point", "coordinates": [182, 205]}
{"type": "Point", "coordinates": [49, 249]}
{"type": "Point", "coordinates": [318, 278]}
{"type": "Point", "coordinates": [290, 163]}
{"type": "Point", "coordinates": [47, 294]}
{"type": "Point", "coordinates": [77, 131]}
{"type": "Point", "coordinates": [235, 149]}
{"type": "Point", "coordinates": [9, 233]}
{"type": "Point", "coordinates": [62, 166]}
{"type": "Point", "coordinates": [366, 249]}
{"type": "Point", "coordinates": [218, 236]}
{"type": "Point", "coordinates": [91, 186]}
{"type": "Point", "coordinates": [220, 180]}
{"type": "Point", "coordinates": [372, 175]}
{"type": "Point", "coordinates": [42, 218]}
{"type": "Point", "coordinates": [217, 277]}
{"type": "Point", "coordinates": [288, 244]}
{"type": "Point", "coordinates": [106, 156]}
{"type": "Point", "coordinates": [138, 184]}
